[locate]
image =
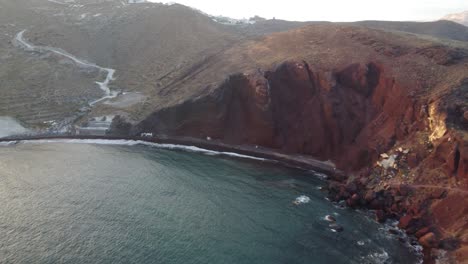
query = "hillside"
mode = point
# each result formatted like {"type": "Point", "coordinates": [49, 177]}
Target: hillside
{"type": "Point", "coordinates": [151, 46]}
{"type": "Point", "coordinates": [442, 29]}
{"type": "Point", "coordinates": [148, 44]}
{"type": "Point", "coordinates": [40, 90]}
{"type": "Point", "coordinates": [461, 18]}
{"type": "Point", "coordinates": [326, 44]}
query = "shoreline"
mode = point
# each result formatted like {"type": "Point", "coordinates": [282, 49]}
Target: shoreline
{"type": "Point", "coordinates": [294, 161]}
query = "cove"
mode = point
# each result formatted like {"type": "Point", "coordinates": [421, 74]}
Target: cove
{"type": "Point", "coordinates": [89, 203]}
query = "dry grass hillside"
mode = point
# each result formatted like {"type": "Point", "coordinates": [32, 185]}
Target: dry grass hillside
{"type": "Point", "coordinates": [443, 29]}
{"type": "Point", "coordinates": [145, 43]}
{"type": "Point", "coordinates": [37, 89]}
{"type": "Point", "coordinates": [149, 45]}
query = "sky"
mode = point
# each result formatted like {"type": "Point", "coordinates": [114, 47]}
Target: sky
{"type": "Point", "coordinates": [330, 10]}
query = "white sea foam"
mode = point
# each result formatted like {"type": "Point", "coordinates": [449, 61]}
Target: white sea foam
{"type": "Point", "coordinates": [10, 126]}
{"type": "Point", "coordinates": [393, 224]}
{"type": "Point", "coordinates": [329, 218]}
{"type": "Point", "coordinates": [302, 200]}
{"type": "Point", "coordinates": [139, 142]}
{"type": "Point", "coordinates": [8, 143]}
{"type": "Point", "coordinates": [378, 257]}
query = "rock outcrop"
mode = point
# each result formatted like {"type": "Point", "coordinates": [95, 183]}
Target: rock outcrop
{"type": "Point", "coordinates": [349, 115]}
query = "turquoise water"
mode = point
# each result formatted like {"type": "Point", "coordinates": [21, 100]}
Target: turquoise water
{"type": "Point", "coordinates": [85, 203]}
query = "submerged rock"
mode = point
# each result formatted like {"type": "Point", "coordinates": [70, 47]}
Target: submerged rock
{"type": "Point", "coordinates": [380, 216]}
{"type": "Point", "coordinates": [330, 218]}
{"type": "Point", "coordinates": [336, 228]}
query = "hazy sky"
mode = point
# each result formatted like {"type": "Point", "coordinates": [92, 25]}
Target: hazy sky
{"type": "Point", "coordinates": [331, 10]}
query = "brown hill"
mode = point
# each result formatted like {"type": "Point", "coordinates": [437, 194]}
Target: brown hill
{"type": "Point", "coordinates": [328, 46]}
{"type": "Point", "coordinates": [461, 18]}
{"type": "Point", "coordinates": [442, 29]}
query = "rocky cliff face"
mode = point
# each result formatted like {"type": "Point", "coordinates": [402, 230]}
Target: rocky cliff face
{"type": "Point", "coordinates": [406, 154]}
{"type": "Point", "coordinates": [348, 115]}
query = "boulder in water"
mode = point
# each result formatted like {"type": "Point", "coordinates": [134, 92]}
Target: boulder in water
{"type": "Point", "coordinates": [330, 218]}
{"type": "Point", "coordinates": [336, 228]}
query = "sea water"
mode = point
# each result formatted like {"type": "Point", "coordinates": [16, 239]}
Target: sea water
{"type": "Point", "coordinates": [123, 202]}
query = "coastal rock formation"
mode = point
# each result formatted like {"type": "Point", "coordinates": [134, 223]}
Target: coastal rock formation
{"type": "Point", "coordinates": [389, 111]}
{"type": "Point", "coordinates": [349, 115]}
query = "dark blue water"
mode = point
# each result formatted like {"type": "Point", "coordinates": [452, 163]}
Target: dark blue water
{"type": "Point", "coordinates": [83, 203]}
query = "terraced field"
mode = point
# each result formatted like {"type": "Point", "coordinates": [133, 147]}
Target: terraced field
{"type": "Point", "coordinates": [42, 89]}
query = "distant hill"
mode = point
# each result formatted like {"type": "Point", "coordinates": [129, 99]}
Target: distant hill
{"type": "Point", "coordinates": [461, 18]}
{"type": "Point", "coordinates": [440, 29]}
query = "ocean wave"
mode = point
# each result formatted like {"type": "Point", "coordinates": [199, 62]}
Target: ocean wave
{"type": "Point", "coordinates": [123, 142]}
{"type": "Point", "coordinates": [8, 143]}
{"type": "Point", "coordinates": [321, 176]}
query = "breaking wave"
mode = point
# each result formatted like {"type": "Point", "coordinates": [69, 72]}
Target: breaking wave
{"type": "Point", "coordinates": [134, 143]}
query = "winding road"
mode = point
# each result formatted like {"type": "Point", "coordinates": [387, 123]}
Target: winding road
{"type": "Point", "coordinates": [104, 85]}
